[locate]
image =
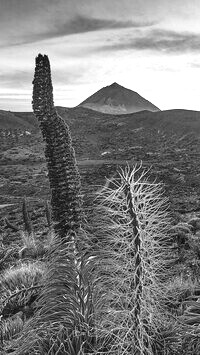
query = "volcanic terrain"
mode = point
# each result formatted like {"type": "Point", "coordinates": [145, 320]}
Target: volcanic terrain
{"type": "Point", "coordinates": [116, 99]}
{"type": "Point", "coordinates": [167, 141]}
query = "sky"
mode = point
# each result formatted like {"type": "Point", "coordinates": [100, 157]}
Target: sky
{"type": "Point", "coordinates": [149, 46]}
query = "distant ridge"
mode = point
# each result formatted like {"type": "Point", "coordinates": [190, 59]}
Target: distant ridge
{"type": "Point", "coordinates": [176, 120]}
{"type": "Point", "coordinates": [116, 99]}
{"type": "Point", "coordinates": [14, 120]}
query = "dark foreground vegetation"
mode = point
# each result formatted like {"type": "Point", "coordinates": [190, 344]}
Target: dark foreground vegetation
{"type": "Point", "coordinates": [108, 271]}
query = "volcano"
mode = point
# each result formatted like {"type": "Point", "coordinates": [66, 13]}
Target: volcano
{"type": "Point", "coordinates": [116, 99]}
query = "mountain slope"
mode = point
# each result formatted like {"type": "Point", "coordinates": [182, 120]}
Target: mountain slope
{"type": "Point", "coordinates": [116, 99]}
{"type": "Point", "coordinates": [85, 119]}
{"type": "Point", "coordinates": [14, 120]}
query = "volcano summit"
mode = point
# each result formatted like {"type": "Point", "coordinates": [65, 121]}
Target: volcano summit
{"type": "Point", "coordinates": [116, 99]}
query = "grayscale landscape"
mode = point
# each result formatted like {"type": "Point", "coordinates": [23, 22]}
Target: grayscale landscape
{"type": "Point", "coordinates": [99, 178]}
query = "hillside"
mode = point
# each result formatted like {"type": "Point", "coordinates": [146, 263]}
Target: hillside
{"type": "Point", "coordinates": [179, 120]}
{"type": "Point", "coordinates": [116, 99]}
{"type": "Point", "coordinates": [125, 136]}
{"type": "Point", "coordinates": [96, 134]}
{"type": "Point", "coordinates": [167, 140]}
{"type": "Point", "coordinates": [15, 120]}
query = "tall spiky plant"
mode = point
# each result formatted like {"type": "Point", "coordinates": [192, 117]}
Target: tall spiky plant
{"type": "Point", "coordinates": [62, 167]}
{"type": "Point", "coordinates": [64, 320]}
{"type": "Point", "coordinates": [133, 221]}
{"type": "Point", "coordinates": [63, 323]}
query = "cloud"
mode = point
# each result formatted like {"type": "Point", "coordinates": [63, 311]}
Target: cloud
{"type": "Point", "coordinates": [163, 41]}
{"type": "Point", "coordinates": [15, 79]}
{"type": "Point", "coordinates": [81, 24]}
{"type": "Point", "coordinates": [78, 24]}
{"type": "Point", "coordinates": [19, 79]}
{"type": "Point", "coordinates": [195, 65]}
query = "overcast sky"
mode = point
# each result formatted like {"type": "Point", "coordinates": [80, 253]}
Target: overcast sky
{"type": "Point", "coordinates": [149, 46]}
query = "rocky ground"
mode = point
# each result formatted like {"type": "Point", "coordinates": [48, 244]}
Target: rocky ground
{"type": "Point", "coordinates": [102, 144]}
